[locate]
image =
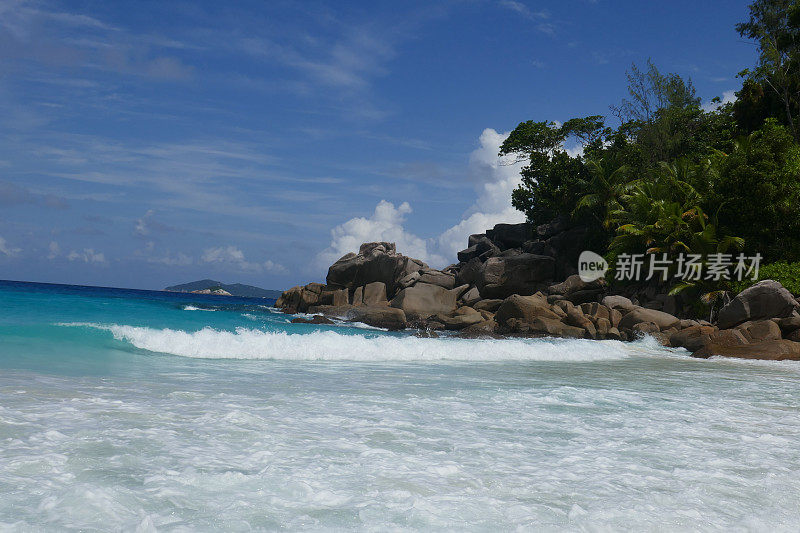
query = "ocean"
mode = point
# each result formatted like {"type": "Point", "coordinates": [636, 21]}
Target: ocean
{"type": "Point", "coordinates": [144, 411]}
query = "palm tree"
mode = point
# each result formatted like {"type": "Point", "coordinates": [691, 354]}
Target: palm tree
{"type": "Point", "coordinates": [607, 183]}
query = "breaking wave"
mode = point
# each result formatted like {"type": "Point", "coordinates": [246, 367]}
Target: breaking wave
{"type": "Point", "coordinates": [209, 343]}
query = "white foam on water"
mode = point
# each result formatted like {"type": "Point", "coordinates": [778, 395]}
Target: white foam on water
{"type": "Point", "coordinates": [643, 444]}
{"type": "Point", "coordinates": [246, 343]}
{"type": "Point", "coordinates": [193, 308]}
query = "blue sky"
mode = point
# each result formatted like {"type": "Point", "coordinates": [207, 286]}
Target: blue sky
{"type": "Point", "coordinates": [149, 143]}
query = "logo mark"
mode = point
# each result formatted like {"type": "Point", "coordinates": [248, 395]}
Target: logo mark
{"type": "Point", "coordinates": [591, 266]}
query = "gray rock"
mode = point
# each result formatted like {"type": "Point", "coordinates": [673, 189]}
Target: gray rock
{"type": "Point", "coordinates": [358, 296]}
{"type": "Point", "coordinates": [774, 350]}
{"type": "Point", "coordinates": [603, 327]}
{"type": "Point", "coordinates": [481, 247]}
{"type": "Point", "coordinates": [488, 305]}
{"type": "Point", "coordinates": [460, 290]}
{"type": "Point", "coordinates": [576, 318]}
{"type": "Point", "coordinates": [510, 235]}
{"type": "Point", "coordinates": [765, 299]}
{"type": "Point", "coordinates": [423, 300]}
{"type": "Point", "coordinates": [574, 284]}
{"type": "Point", "coordinates": [640, 314]}
{"type": "Point", "coordinates": [436, 277]}
{"type": "Point", "coordinates": [408, 280]}
{"type": "Point", "coordinates": [522, 274]}
{"type": "Point", "coordinates": [618, 302]}
{"type": "Point", "coordinates": [789, 324]}
{"type": "Point", "coordinates": [379, 317]}
{"type": "Point", "coordinates": [596, 310]}
{"type": "Point", "coordinates": [556, 328]}
{"type": "Point", "coordinates": [645, 328]}
{"type": "Point", "coordinates": [470, 272]}
{"type": "Point", "coordinates": [524, 308]}
{"type": "Point", "coordinates": [692, 338]}
{"type": "Point", "coordinates": [760, 330]}
{"type": "Point", "coordinates": [481, 329]}
{"type": "Point", "coordinates": [462, 317]}
{"type": "Point", "coordinates": [340, 297]}
{"type": "Point", "coordinates": [377, 261]}
{"type": "Point", "coordinates": [472, 296]}
{"type": "Point", "coordinates": [554, 227]}
{"type": "Point", "coordinates": [375, 294]}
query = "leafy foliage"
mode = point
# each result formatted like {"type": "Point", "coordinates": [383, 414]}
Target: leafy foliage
{"type": "Point", "coordinates": [787, 274]}
{"type": "Point", "coordinates": [757, 190]}
{"type": "Point", "coordinates": [775, 26]}
{"type": "Point", "coordinates": [674, 177]}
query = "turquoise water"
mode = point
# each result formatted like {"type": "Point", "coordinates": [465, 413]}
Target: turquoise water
{"type": "Point", "coordinates": [131, 410]}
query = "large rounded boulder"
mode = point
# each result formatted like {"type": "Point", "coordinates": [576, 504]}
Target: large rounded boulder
{"type": "Point", "coordinates": [765, 299]}
{"type": "Point", "coordinates": [423, 300]}
{"type": "Point", "coordinates": [522, 274]}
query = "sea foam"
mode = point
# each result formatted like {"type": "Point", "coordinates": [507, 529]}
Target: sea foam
{"type": "Point", "coordinates": [210, 343]}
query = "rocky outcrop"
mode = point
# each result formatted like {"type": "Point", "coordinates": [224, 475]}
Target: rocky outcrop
{"type": "Point", "coordinates": [517, 279]}
{"type": "Point", "coordinates": [216, 292]}
{"type": "Point", "coordinates": [766, 299]}
{"type": "Point", "coordinates": [375, 261]}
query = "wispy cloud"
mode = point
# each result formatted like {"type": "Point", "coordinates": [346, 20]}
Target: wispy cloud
{"type": "Point", "coordinates": [233, 257]}
{"type": "Point", "coordinates": [87, 255]}
{"type": "Point", "coordinates": [540, 17]}
{"type": "Point", "coordinates": [53, 250]}
{"type": "Point", "coordinates": [7, 250]}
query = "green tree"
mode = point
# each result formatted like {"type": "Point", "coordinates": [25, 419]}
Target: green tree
{"type": "Point", "coordinates": [756, 188]}
{"type": "Point", "coordinates": [662, 114]}
{"type": "Point", "coordinates": [552, 181]}
{"type": "Point", "coordinates": [775, 26]}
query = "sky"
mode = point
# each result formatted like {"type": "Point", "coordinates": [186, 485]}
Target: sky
{"type": "Point", "coordinates": [149, 143]}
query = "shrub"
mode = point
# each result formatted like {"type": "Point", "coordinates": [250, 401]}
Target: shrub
{"type": "Point", "coordinates": [787, 274]}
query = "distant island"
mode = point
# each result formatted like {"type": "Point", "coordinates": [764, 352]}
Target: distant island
{"type": "Point", "coordinates": [209, 286]}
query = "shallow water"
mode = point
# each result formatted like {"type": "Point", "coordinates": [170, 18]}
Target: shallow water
{"type": "Point", "coordinates": [126, 410]}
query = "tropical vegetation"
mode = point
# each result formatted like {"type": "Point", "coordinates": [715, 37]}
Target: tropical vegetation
{"type": "Point", "coordinates": [674, 177]}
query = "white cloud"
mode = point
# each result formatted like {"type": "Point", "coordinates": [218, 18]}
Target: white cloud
{"type": "Point", "coordinates": [54, 250]}
{"type": "Point", "coordinates": [232, 256]}
{"type": "Point", "coordinates": [727, 98]}
{"type": "Point", "coordinates": [385, 224]}
{"type": "Point", "coordinates": [494, 179]}
{"type": "Point", "coordinates": [7, 250]}
{"type": "Point", "coordinates": [277, 268]}
{"type": "Point", "coordinates": [87, 255]}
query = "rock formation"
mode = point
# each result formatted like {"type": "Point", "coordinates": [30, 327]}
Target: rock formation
{"type": "Point", "coordinates": [519, 280]}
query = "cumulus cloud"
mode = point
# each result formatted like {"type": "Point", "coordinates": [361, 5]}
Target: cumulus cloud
{"type": "Point", "coordinates": [87, 255]}
{"type": "Point", "coordinates": [385, 224]}
{"type": "Point", "coordinates": [7, 250]}
{"type": "Point", "coordinates": [727, 98]}
{"type": "Point", "coordinates": [493, 178]}
{"type": "Point", "coordinates": [232, 256]}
